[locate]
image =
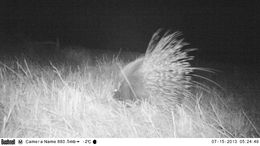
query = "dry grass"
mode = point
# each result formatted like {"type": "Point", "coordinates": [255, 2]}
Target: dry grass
{"type": "Point", "coordinates": [55, 101]}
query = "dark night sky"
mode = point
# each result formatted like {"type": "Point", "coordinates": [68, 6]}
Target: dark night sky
{"type": "Point", "coordinates": [223, 27]}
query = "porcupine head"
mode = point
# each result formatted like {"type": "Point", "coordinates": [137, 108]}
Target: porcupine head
{"type": "Point", "coordinates": [131, 87]}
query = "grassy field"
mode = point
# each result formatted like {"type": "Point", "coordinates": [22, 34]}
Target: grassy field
{"type": "Point", "coordinates": [63, 96]}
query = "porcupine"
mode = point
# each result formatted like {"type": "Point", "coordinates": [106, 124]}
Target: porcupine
{"type": "Point", "coordinates": [161, 76]}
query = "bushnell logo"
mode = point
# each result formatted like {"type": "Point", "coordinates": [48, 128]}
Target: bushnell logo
{"type": "Point", "coordinates": [7, 141]}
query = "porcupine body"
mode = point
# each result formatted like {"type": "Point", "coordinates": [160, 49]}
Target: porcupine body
{"type": "Point", "coordinates": [161, 76]}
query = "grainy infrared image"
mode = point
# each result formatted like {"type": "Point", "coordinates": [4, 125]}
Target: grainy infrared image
{"type": "Point", "coordinates": [107, 69]}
